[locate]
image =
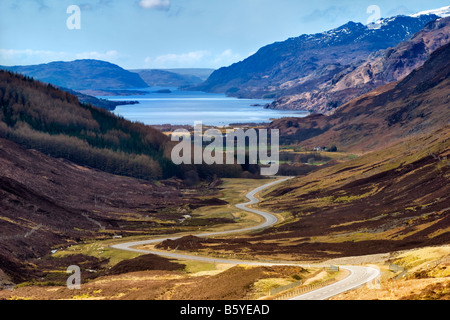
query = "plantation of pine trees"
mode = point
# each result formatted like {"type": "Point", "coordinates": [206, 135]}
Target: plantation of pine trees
{"type": "Point", "coordinates": [39, 116]}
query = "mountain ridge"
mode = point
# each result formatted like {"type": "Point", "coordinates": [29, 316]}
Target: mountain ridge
{"type": "Point", "coordinates": [302, 63]}
{"type": "Point", "coordinates": [82, 75]}
{"type": "Point", "coordinates": [380, 68]}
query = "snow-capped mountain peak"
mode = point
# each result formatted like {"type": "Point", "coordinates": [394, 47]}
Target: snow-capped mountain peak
{"type": "Point", "coordinates": [441, 12]}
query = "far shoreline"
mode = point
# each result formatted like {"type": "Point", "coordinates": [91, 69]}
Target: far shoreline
{"type": "Point", "coordinates": [177, 108]}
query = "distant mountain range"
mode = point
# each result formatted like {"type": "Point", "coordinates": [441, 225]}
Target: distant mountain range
{"type": "Point", "coordinates": [173, 77]}
{"type": "Point", "coordinates": [95, 76]}
{"type": "Point", "coordinates": [89, 78]}
{"type": "Point", "coordinates": [82, 75]}
{"type": "Point", "coordinates": [294, 72]}
{"type": "Point", "coordinates": [202, 73]}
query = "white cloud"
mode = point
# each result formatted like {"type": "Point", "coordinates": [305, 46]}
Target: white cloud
{"type": "Point", "coordinates": [194, 59]}
{"type": "Point", "coordinates": [108, 55]}
{"type": "Point", "coordinates": [226, 58]}
{"type": "Point", "coordinates": [177, 60]}
{"type": "Point", "coordinates": [155, 4]}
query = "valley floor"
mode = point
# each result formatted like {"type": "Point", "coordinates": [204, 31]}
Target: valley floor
{"type": "Point", "coordinates": [422, 274]}
{"type": "Point", "coordinates": [414, 274]}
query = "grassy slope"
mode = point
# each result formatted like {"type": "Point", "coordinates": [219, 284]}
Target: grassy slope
{"type": "Point", "coordinates": [390, 198]}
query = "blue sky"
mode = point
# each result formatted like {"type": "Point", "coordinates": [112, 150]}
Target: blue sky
{"type": "Point", "coordinates": [172, 33]}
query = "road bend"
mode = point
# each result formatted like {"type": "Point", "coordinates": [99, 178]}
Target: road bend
{"type": "Point", "coordinates": [358, 275]}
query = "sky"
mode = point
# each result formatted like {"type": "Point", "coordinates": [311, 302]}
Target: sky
{"type": "Point", "coordinates": [138, 34]}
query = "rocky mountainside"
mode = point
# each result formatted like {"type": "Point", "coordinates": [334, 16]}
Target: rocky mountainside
{"type": "Point", "coordinates": [82, 75]}
{"type": "Point", "coordinates": [382, 67]}
{"type": "Point", "coordinates": [441, 12]}
{"type": "Point", "coordinates": [418, 104]}
{"type": "Point", "coordinates": [308, 62]}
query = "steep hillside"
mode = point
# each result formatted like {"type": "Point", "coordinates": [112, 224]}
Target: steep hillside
{"type": "Point", "coordinates": [43, 117]}
{"type": "Point", "coordinates": [47, 203]}
{"type": "Point", "coordinates": [396, 63]}
{"type": "Point", "coordinates": [388, 200]}
{"type": "Point", "coordinates": [392, 199]}
{"type": "Point", "coordinates": [83, 75]}
{"type": "Point", "coordinates": [382, 67]}
{"type": "Point", "coordinates": [418, 104]}
{"type": "Point", "coordinates": [307, 62]}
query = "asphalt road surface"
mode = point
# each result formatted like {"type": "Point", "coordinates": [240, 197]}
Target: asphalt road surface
{"type": "Point", "coordinates": [357, 277]}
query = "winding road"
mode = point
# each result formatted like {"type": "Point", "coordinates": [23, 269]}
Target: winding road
{"type": "Point", "coordinates": [358, 275]}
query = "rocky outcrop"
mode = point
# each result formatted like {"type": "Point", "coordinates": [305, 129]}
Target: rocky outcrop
{"type": "Point", "coordinates": [381, 68]}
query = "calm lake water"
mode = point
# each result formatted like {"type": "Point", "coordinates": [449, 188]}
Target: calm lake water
{"type": "Point", "coordinates": [185, 107]}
